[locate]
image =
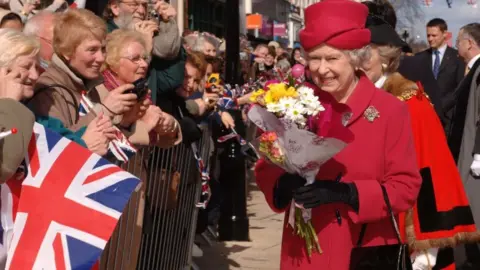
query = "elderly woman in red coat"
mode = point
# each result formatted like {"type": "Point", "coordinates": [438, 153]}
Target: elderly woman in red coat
{"type": "Point", "coordinates": [382, 152]}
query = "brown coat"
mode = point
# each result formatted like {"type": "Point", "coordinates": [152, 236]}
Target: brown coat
{"type": "Point", "coordinates": [14, 114]}
{"type": "Point", "coordinates": [62, 102]}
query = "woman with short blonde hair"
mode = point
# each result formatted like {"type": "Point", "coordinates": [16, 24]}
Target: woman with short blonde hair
{"type": "Point", "coordinates": [73, 27]}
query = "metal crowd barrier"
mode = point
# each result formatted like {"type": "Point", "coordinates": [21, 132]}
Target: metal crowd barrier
{"type": "Point", "coordinates": [157, 228]}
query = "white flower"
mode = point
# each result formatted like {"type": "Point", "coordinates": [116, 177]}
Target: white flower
{"type": "Point", "coordinates": [296, 113]}
{"type": "Point", "coordinates": [314, 108]}
{"type": "Point", "coordinates": [312, 105]}
{"type": "Point", "coordinates": [304, 91]}
{"type": "Point", "coordinates": [287, 102]}
{"type": "Point", "coordinates": [275, 107]}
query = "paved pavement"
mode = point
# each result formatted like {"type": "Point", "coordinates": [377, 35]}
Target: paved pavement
{"type": "Point", "coordinates": [261, 253]}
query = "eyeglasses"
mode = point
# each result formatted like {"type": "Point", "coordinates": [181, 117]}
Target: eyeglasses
{"type": "Point", "coordinates": [45, 39]}
{"type": "Point", "coordinates": [135, 5]}
{"type": "Point", "coordinates": [138, 59]}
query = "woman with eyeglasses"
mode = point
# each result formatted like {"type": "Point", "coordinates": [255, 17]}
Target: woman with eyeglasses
{"type": "Point", "coordinates": [126, 63]}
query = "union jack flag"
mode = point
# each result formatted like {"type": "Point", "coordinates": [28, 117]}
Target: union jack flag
{"type": "Point", "coordinates": [71, 200]}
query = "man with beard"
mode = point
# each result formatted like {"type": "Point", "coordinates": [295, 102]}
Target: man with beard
{"type": "Point", "coordinates": [162, 37]}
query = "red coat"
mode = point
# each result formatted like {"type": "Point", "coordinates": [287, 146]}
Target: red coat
{"type": "Point", "coordinates": [382, 152]}
{"type": "Point", "coordinates": [442, 216]}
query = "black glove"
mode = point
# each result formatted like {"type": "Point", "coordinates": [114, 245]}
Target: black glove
{"type": "Point", "coordinates": [326, 191]}
{"type": "Point", "coordinates": [283, 191]}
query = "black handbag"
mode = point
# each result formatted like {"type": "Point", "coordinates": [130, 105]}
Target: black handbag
{"type": "Point", "coordinates": [388, 257]}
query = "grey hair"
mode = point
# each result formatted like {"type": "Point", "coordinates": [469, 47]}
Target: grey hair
{"type": "Point", "coordinates": [358, 56]}
{"type": "Point", "coordinates": [200, 43]}
{"type": "Point", "coordinates": [283, 65]}
{"type": "Point", "coordinates": [472, 31]}
{"type": "Point", "coordinates": [190, 40]}
{"type": "Point", "coordinates": [36, 24]}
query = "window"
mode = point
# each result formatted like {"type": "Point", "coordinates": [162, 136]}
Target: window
{"type": "Point", "coordinates": [206, 16]}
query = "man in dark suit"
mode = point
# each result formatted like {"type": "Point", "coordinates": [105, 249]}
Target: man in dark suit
{"type": "Point", "coordinates": [443, 62]}
{"type": "Point", "coordinates": [466, 134]}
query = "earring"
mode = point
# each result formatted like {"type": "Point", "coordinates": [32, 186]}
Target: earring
{"type": "Point", "coordinates": [384, 67]}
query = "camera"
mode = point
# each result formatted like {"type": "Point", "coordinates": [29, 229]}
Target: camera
{"type": "Point", "coordinates": [140, 88]}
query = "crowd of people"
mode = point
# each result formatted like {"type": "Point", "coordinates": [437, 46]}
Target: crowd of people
{"type": "Point", "coordinates": [88, 76]}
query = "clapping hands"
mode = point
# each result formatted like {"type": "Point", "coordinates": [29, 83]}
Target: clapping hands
{"type": "Point", "coordinates": [98, 135]}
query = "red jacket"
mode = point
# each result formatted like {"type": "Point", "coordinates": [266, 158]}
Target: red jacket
{"type": "Point", "coordinates": [382, 152]}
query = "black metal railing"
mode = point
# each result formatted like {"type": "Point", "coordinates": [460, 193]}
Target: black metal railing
{"type": "Point", "coordinates": [157, 228]}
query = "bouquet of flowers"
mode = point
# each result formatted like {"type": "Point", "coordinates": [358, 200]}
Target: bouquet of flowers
{"type": "Point", "coordinates": [303, 128]}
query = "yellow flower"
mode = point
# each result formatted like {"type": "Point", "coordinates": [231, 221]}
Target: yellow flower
{"type": "Point", "coordinates": [255, 95]}
{"type": "Point", "coordinates": [291, 92]}
{"type": "Point", "coordinates": [279, 90]}
{"type": "Point", "coordinates": [268, 98]}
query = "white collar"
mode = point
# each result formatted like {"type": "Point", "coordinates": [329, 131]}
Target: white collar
{"type": "Point", "coordinates": [442, 49]}
{"type": "Point", "coordinates": [381, 81]}
{"type": "Point", "coordinates": [472, 61]}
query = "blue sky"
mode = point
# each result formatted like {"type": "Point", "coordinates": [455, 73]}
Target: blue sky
{"type": "Point", "coordinates": [460, 14]}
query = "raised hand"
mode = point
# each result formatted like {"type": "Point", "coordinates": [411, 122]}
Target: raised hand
{"type": "Point", "coordinates": [152, 117]}
{"type": "Point", "coordinates": [165, 10]}
{"type": "Point", "coordinates": [167, 124]}
{"type": "Point", "coordinates": [98, 134]}
{"type": "Point", "coordinates": [137, 112]}
{"type": "Point", "coordinates": [227, 120]}
{"type": "Point", "coordinates": [118, 102]}
{"type": "Point", "coordinates": [11, 84]}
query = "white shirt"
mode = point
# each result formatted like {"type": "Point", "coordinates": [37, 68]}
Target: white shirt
{"type": "Point", "coordinates": [472, 61]}
{"type": "Point", "coordinates": [441, 54]}
{"type": "Point", "coordinates": [381, 81]}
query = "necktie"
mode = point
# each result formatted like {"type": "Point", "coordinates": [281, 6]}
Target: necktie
{"type": "Point", "coordinates": [467, 69]}
{"type": "Point", "coordinates": [436, 63]}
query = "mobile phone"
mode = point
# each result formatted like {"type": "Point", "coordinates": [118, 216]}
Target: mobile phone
{"type": "Point", "coordinates": [140, 88]}
{"type": "Point", "coordinates": [261, 67]}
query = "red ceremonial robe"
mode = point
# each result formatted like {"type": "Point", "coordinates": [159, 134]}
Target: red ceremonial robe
{"type": "Point", "coordinates": [381, 153]}
{"type": "Point", "coordinates": [442, 216]}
